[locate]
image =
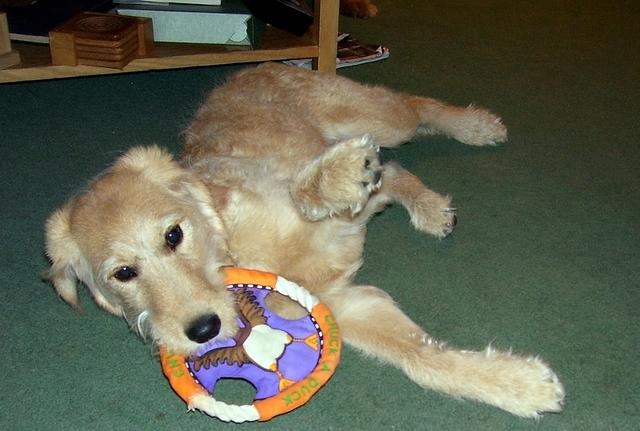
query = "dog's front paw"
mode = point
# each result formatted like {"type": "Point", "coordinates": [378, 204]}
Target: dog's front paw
{"type": "Point", "coordinates": [341, 180]}
{"type": "Point", "coordinates": [477, 126]}
{"type": "Point", "coordinates": [433, 214]}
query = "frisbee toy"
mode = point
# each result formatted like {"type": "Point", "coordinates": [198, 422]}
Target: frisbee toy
{"type": "Point", "coordinates": [286, 361]}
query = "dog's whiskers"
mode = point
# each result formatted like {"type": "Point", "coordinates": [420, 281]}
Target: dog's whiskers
{"type": "Point", "coordinates": [139, 324]}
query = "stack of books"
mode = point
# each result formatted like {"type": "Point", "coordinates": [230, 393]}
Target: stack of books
{"type": "Point", "coordinates": [226, 22]}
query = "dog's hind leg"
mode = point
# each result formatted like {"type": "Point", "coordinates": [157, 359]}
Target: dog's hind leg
{"type": "Point", "coordinates": [338, 107]}
{"type": "Point", "coordinates": [470, 125]}
{"type": "Point", "coordinates": [370, 321]}
{"type": "Point", "coordinates": [393, 118]}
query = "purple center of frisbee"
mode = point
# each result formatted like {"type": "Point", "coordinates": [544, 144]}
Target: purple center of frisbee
{"type": "Point", "coordinates": [297, 361]}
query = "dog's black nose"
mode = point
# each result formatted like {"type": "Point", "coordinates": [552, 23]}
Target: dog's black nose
{"type": "Point", "coordinates": [204, 328]}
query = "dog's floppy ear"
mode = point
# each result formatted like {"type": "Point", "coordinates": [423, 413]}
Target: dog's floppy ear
{"type": "Point", "coordinates": [64, 255]}
{"type": "Point", "coordinates": [68, 264]}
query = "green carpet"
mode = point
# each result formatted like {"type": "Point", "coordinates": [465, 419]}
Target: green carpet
{"type": "Point", "coordinates": [544, 260]}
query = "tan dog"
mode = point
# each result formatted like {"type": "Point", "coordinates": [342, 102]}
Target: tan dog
{"type": "Point", "coordinates": [280, 173]}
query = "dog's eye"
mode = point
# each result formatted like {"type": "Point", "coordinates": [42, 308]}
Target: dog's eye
{"type": "Point", "coordinates": [125, 273]}
{"type": "Point", "coordinates": [173, 237]}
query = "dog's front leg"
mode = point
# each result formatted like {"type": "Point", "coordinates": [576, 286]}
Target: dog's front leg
{"type": "Point", "coordinates": [430, 212]}
{"type": "Point", "coordinates": [370, 321]}
{"type": "Point", "coordinates": [339, 181]}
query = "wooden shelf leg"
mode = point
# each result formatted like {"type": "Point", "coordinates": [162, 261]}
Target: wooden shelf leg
{"type": "Point", "coordinates": [326, 34]}
{"type": "Point", "coordinates": [8, 57]}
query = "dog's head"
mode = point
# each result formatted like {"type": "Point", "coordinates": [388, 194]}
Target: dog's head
{"type": "Point", "coordinates": [147, 241]}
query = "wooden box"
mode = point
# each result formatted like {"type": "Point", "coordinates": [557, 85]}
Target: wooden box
{"type": "Point", "coordinates": [97, 39]}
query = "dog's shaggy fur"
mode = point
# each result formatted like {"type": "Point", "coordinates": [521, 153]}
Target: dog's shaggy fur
{"type": "Point", "coordinates": [280, 173]}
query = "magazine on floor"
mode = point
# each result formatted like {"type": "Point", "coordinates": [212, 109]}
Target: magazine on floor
{"type": "Point", "coordinates": [351, 52]}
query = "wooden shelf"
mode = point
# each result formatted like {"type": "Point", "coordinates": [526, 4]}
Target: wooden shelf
{"type": "Point", "coordinates": [319, 44]}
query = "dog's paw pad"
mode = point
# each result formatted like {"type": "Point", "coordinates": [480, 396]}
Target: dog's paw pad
{"type": "Point", "coordinates": [340, 181]}
{"type": "Point", "coordinates": [351, 171]}
{"type": "Point", "coordinates": [372, 168]}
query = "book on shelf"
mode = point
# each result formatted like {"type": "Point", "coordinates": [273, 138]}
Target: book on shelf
{"type": "Point", "coordinates": [231, 23]}
{"type": "Point", "coordinates": [31, 20]}
{"type": "Point", "coordinates": [202, 2]}
{"type": "Point", "coordinates": [351, 52]}
{"type": "Point", "coordinates": [294, 16]}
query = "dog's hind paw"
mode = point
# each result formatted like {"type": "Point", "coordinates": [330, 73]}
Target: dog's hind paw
{"type": "Point", "coordinates": [477, 126]}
